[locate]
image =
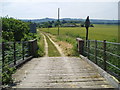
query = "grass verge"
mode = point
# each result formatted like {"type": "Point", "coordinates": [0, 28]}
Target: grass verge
{"type": "Point", "coordinates": [72, 41]}
{"type": "Point", "coordinates": [40, 41]}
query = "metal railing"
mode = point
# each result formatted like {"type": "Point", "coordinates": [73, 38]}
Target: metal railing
{"type": "Point", "coordinates": [15, 52]}
{"type": "Point", "coordinates": [104, 54]}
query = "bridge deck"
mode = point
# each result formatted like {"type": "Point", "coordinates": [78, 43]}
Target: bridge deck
{"type": "Point", "coordinates": [59, 72]}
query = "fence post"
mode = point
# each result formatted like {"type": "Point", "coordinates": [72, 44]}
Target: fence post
{"type": "Point", "coordinates": [23, 50]}
{"type": "Point", "coordinates": [29, 48]}
{"type": "Point", "coordinates": [33, 47]}
{"type": "Point", "coordinates": [88, 46]}
{"type": "Point", "coordinates": [14, 53]}
{"type": "Point", "coordinates": [3, 54]}
{"type": "Point", "coordinates": [96, 52]}
{"type": "Point", "coordinates": [104, 54]}
{"type": "Point", "coordinates": [3, 59]}
{"type": "Point", "coordinates": [80, 43]}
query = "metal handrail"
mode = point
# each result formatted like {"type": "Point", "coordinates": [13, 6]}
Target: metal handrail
{"type": "Point", "coordinates": [92, 49]}
{"type": "Point", "coordinates": [112, 65]}
{"type": "Point", "coordinates": [113, 43]}
{"type": "Point", "coordinates": [113, 54]}
{"type": "Point", "coordinates": [22, 51]}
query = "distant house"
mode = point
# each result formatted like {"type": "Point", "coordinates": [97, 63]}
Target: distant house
{"type": "Point", "coordinates": [90, 25]}
{"type": "Point", "coordinates": [70, 25]}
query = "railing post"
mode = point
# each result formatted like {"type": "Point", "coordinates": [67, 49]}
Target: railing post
{"type": "Point", "coordinates": [33, 47]}
{"type": "Point", "coordinates": [23, 50]}
{"type": "Point", "coordinates": [96, 52]}
{"type": "Point", "coordinates": [88, 46]}
{"type": "Point", "coordinates": [80, 46]}
{"type": "Point", "coordinates": [3, 54]}
{"type": "Point", "coordinates": [29, 48]}
{"type": "Point", "coordinates": [3, 59]}
{"type": "Point", "coordinates": [14, 53]}
{"type": "Point", "coordinates": [104, 54]}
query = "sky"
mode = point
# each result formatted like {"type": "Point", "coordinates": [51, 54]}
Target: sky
{"type": "Point", "coordinates": [37, 9]}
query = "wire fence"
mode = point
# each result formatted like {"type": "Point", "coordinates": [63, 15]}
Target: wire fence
{"type": "Point", "coordinates": [104, 54]}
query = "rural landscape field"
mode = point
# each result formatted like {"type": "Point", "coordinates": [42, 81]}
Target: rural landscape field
{"type": "Point", "coordinates": [60, 45]}
{"type": "Point", "coordinates": [98, 32]}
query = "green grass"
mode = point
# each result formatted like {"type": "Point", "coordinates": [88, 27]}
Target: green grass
{"type": "Point", "coordinates": [52, 50]}
{"type": "Point", "coordinates": [70, 40]}
{"type": "Point", "coordinates": [98, 32]}
{"type": "Point", "coordinates": [40, 41]}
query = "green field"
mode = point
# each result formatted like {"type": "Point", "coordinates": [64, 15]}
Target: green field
{"type": "Point", "coordinates": [98, 32]}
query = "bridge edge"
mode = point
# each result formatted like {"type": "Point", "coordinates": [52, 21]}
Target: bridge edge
{"type": "Point", "coordinates": [111, 79]}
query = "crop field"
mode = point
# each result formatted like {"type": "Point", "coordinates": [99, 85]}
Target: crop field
{"type": "Point", "coordinates": [98, 32]}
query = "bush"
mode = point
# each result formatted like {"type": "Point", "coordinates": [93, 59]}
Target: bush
{"type": "Point", "coordinates": [40, 41]}
{"type": "Point", "coordinates": [7, 75]}
{"type": "Point", "coordinates": [15, 30]}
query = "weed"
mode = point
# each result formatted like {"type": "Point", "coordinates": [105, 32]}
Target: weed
{"type": "Point", "coordinates": [7, 75]}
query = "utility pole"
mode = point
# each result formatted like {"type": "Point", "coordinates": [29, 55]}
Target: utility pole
{"type": "Point", "coordinates": [58, 19]}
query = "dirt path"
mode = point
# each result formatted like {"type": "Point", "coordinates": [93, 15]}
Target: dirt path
{"type": "Point", "coordinates": [58, 48]}
{"type": "Point", "coordinates": [46, 46]}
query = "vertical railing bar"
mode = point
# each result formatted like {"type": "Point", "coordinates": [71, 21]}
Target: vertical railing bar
{"type": "Point", "coordinates": [23, 50]}
{"type": "Point", "coordinates": [96, 52]}
{"type": "Point", "coordinates": [3, 59]}
{"type": "Point", "coordinates": [3, 54]}
{"type": "Point", "coordinates": [14, 52]}
{"type": "Point", "coordinates": [104, 54]}
{"type": "Point", "coordinates": [28, 48]}
{"type": "Point", "coordinates": [88, 49]}
{"type": "Point", "coordinates": [85, 49]}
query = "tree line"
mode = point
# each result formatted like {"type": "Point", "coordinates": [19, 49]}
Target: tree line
{"type": "Point", "coordinates": [62, 23]}
{"type": "Point", "coordinates": [15, 30]}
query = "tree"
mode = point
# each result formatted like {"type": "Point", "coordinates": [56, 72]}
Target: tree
{"type": "Point", "coordinates": [63, 22]}
{"type": "Point", "coordinates": [13, 30]}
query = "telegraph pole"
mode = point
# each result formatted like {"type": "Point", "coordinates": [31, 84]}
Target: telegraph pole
{"type": "Point", "coordinates": [58, 19]}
